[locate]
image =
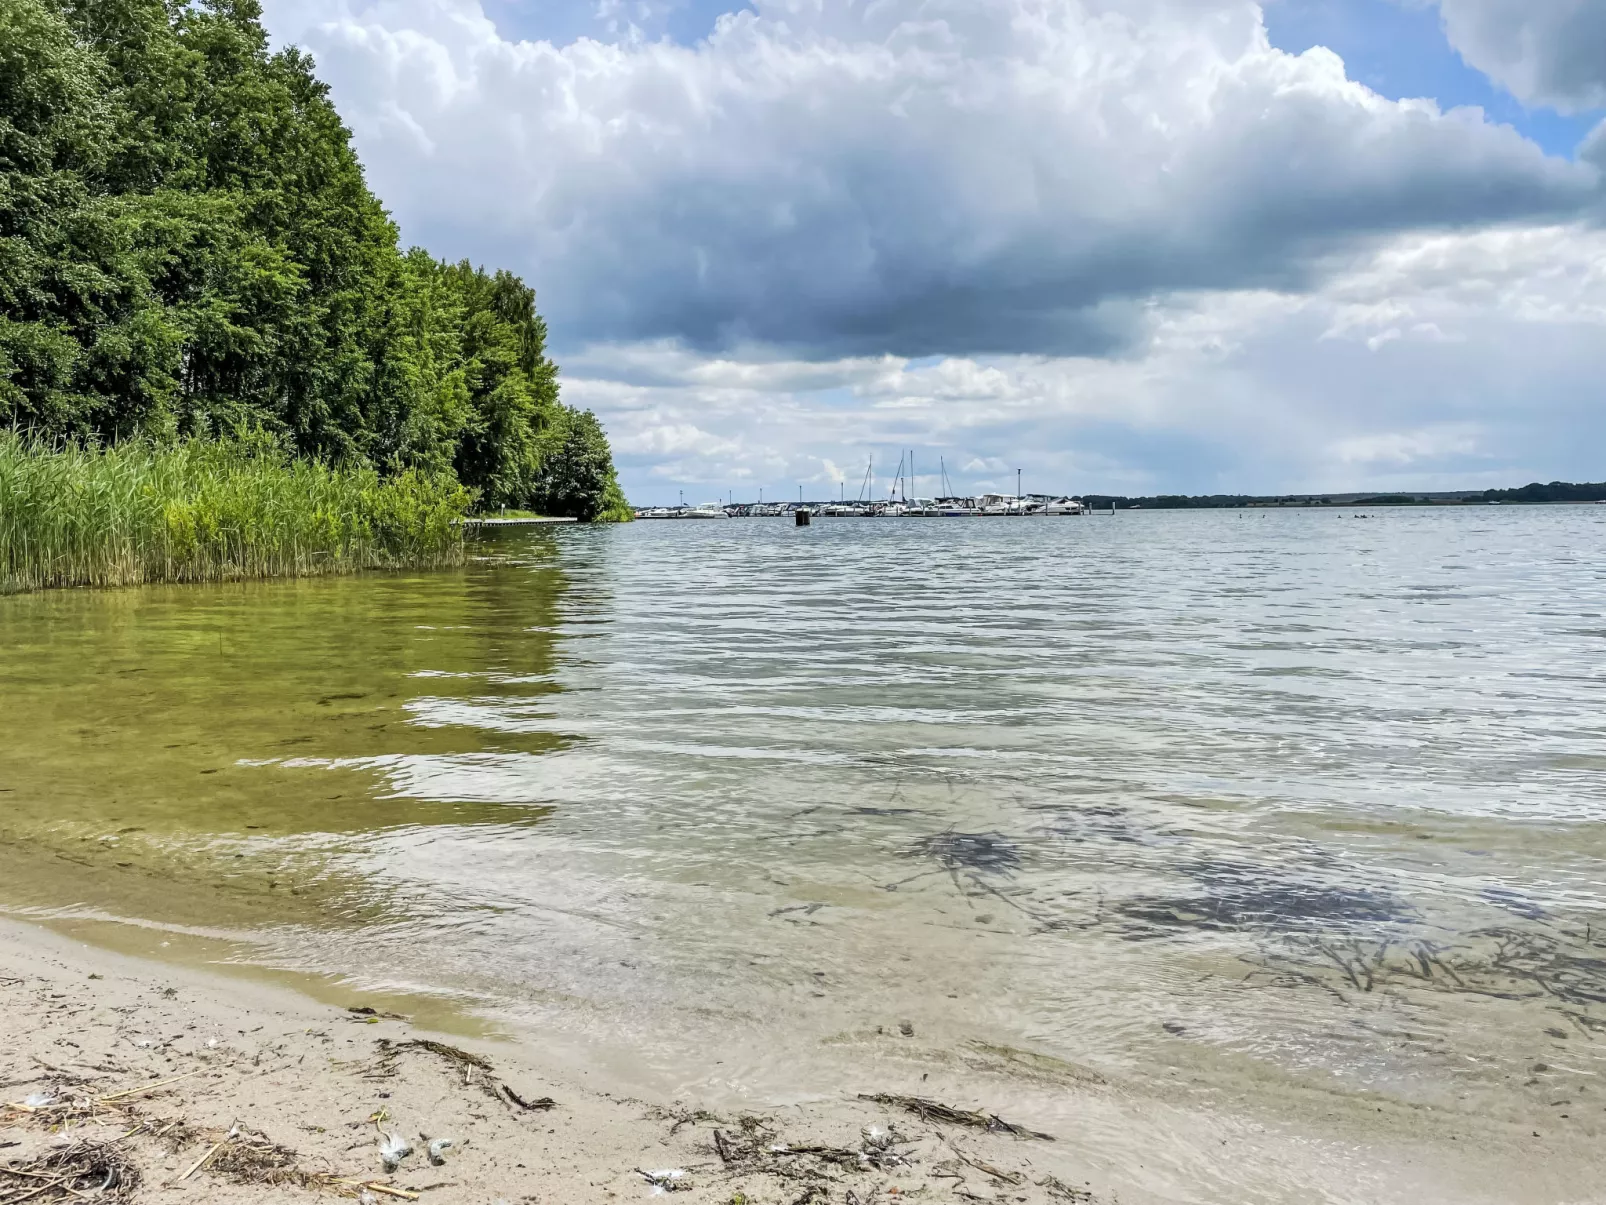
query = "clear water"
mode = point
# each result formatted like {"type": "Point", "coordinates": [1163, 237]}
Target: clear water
{"type": "Point", "coordinates": [1275, 814]}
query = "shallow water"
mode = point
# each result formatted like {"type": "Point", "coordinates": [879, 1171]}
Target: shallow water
{"type": "Point", "coordinates": [1223, 807]}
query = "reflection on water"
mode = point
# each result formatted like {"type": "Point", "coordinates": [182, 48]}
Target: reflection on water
{"type": "Point", "coordinates": [1287, 799]}
{"type": "Point", "coordinates": [177, 734]}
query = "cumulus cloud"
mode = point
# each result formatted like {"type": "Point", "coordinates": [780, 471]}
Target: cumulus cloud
{"type": "Point", "coordinates": [1122, 245]}
{"type": "Point", "coordinates": [1444, 360]}
{"type": "Point", "coordinates": [1545, 52]}
{"type": "Point", "coordinates": [907, 177]}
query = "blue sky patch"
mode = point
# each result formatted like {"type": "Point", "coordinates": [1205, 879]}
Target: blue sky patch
{"type": "Point", "coordinates": [1398, 49]}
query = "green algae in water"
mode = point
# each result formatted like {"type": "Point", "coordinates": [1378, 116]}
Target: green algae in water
{"type": "Point", "coordinates": [213, 754]}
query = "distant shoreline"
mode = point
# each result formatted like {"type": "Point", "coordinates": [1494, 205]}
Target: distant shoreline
{"type": "Point", "coordinates": [1555, 493]}
{"type": "Point", "coordinates": [1531, 494]}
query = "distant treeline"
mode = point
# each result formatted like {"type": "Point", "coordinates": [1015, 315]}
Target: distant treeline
{"type": "Point", "coordinates": [1556, 491]}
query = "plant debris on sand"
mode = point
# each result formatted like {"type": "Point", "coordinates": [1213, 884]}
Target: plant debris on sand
{"type": "Point", "coordinates": [108, 1168]}
{"type": "Point", "coordinates": [477, 1070]}
{"type": "Point", "coordinates": [99, 1169]}
{"type": "Point", "coordinates": [209, 1095]}
{"type": "Point", "coordinates": [932, 1110]}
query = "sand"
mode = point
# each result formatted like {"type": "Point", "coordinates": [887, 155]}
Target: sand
{"type": "Point", "coordinates": [202, 1079]}
{"type": "Point", "coordinates": [217, 1054]}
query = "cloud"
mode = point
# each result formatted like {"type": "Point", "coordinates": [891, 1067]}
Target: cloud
{"type": "Point", "coordinates": [1544, 52]}
{"type": "Point", "coordinates": [1411, 447]}
{"type": "Point", "coordinates": [1122, 245]}
{"type": "Point", "coordinates": [920, 178]}
{"type": "Point", "coordinates": [1443, 360]}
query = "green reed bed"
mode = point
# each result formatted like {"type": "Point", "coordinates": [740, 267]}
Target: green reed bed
{"type": "Point", "coordinates": [210, 511]}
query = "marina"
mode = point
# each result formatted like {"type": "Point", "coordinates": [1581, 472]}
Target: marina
{"type": "Point", "coordinates": [979, 506]}
{"type": "Point", "coordinates": [903, 501]}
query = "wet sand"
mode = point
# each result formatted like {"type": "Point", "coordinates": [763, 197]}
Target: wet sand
{"type": "Point", "coordinates": [85, 1023]}
{"type": "Point", "coordinates": [162, 1044]}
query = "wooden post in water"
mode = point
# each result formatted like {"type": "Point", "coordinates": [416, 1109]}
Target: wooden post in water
{"type": "Point", "coordinates": [802, 517]}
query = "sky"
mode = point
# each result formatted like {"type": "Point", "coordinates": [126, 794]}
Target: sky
{"type": "Point", "coordinates": [1120, 246]}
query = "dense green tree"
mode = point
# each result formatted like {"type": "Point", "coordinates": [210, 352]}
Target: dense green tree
{"type": "Point", "coordinates": [188, 246]}
{"type": "Point", "coordinates": [577, 476]}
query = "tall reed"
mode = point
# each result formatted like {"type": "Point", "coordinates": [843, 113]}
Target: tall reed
{"type": "Point", "coordinates": [210, 511]}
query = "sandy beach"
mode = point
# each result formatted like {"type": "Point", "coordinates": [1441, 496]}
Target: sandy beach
{"type": "Point", "coordinates": [213, 1089]}
{"type": "Point", "coordinates": [165, 1082]}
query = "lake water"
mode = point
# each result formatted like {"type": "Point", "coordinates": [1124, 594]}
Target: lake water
{"type": "Point", "coordinates": [1157, 828]}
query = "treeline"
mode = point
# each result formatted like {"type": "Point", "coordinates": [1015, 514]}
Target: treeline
{"type": "Point", "coordinates": [1556, 491]}
{"type": "Point", "coordinates": [188, 248]}
{"type": "Point", "coordinates": [1167, 502]}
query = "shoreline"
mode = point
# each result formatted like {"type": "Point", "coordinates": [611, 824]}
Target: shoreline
{"type": "Point", "coordinates": [181, 1058]}
{"type": "Point", "coordinates": [207, 1055]}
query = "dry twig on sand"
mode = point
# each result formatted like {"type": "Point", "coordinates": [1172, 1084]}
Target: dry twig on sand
{"type": "Point", "coordinates": [478, 1071]}
{"type": "Point", "coordinates": [461, 1058]}
{"type": "Point", "coordinates": [936, 1111]}
{"type": "Point", "coordinates": [539, 1105]}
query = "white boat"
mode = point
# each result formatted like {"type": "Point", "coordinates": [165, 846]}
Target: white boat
{"type": "Point", "coordinates": [703, 512]}
{"type": "Point", "coordinates": [992, 505]}
{"type": "Point", "coordinates": [1007, 504]}
{"type": "Point", "coordinates": [1063, 506]}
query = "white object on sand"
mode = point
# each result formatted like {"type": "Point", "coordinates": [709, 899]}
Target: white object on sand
{"type": "Point", "coordinates": [393, 1148]}
{"type": "Point", "coordinates": [667, 1179]}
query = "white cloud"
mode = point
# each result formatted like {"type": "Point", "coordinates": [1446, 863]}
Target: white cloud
{"type": "Point", "coordinates": [1411, 447]}
{"type": "Point", "coordinates": [1125, 245]}
{"type": "Point", "coordinates": [1548, 52]}
{"type": "Point", "coordinates": [671, 438]}
{"type": "Point", "coordinates": [1436, 361]}
{"type": "Point", "coordinates": [919, 177]}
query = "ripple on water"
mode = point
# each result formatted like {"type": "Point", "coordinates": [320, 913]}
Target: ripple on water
{"type": "Point", "coordinates": [1271, 797]}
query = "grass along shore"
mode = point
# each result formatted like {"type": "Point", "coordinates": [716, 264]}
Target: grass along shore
{"type": "Point", "coordinates": [201, 511]}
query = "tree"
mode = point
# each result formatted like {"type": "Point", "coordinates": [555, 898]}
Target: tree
{"type": "Point", "coordinates": [577, 476]}
{"type": "Point", "coordinates": [188, 246]}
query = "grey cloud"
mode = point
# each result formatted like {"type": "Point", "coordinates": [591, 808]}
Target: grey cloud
{"type": "Point", "coordinates": [919, 177]}
{"type": "Point", "coordinates": [1594, 148]}
{"type": "Point", "coordinates": [1439, 361]}
{"type": "Point", "coordinates": [1547, 52]}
